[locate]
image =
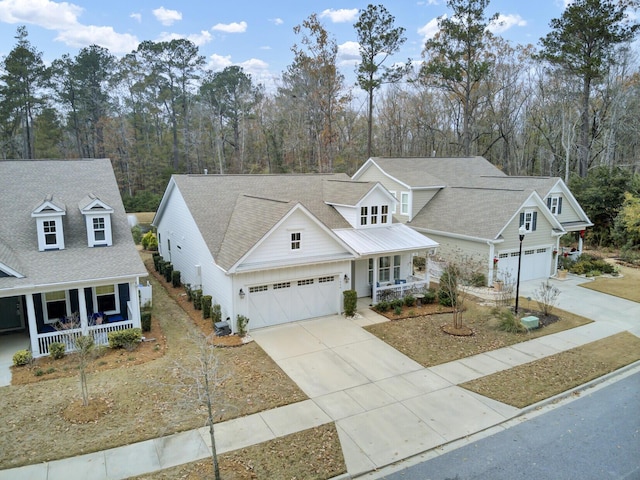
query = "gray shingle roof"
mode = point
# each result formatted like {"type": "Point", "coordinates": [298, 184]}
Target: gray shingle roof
{"type": "Point", "coordinates": [25, 184]}
{"type": "Point", "coordinates": [233, 212]}
{"type": "Point", "coordinates": [432, 171]}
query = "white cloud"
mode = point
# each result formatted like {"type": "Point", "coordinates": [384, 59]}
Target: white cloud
{"type": "Point", "coordinates": [340, 16]}
{"type": "Point", "coordinates": [167, 17]}
{"type": "Point", "coordinates": [349, 53]}
{"type": "Point", "coordinates": [198, 39]}
{"type": "Point", "coordinates": [218, 62]}
{"type": "Point", "coordinates": [136, 16]}
{"type": "Point", "coordinates": [505, 22]}
{"type": "Point", "coordinates": [277, 21]}
{"type": "Point", "coordinates": [429, 30]}
{"type": "Point", "coordinates": [81, 36]}
{"type": "Point", "coordinates": [46, 14]}
{"type": "Point", "coordinates": [231, 27]}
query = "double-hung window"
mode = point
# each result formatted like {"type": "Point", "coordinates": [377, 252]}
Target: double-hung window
{"type": "Point", "coordinates": [384, 269]}
{"type": "Point", "coordinates": [528, 220]}
{"type": "Point", "coordinates": [295, 241]}
{"type": "Point", "coordinates": [404, 203]}
{"type": "Point", "coordinates": [374, 214]}
{"type": "Point", "coordinates": [50, 232]}
{"type": "Point", "coordinates": [55, 306]}
{"type": "Point", "coordinates": [106, 299]}
{"type": "Point", "coordinates": [99, 232]}
{"type": "Point", "coordinates": [364, 212]}
{"type": "Point", "coordinates": [384, 214]}
{"type": "Point", "coordinates": [555, 204]}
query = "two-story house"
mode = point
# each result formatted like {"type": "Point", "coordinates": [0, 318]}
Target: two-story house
{"type": "Point", "coordinates": [280, 248]}
{"type": "Point", "coordinates": [468, 205]}
{"type": "Point", "coordinates": [66, 251]}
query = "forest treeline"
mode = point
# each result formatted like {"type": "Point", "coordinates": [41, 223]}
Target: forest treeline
{"type": "Point", "coordinates": [568, 106]}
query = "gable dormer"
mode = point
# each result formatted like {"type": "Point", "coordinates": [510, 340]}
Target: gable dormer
{"type": "Point", "coordinates": [97, 215]}
{"type": "Point", "coordinates": [362, 204]}
{"type": "Point", "coordinates": [48, 217]}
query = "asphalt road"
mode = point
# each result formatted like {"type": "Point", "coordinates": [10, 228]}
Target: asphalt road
{"type": "Point", "coordinates": [596, 437]}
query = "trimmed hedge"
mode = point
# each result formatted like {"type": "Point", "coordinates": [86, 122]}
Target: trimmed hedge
{"type": "Point", "coordinates": [56, 350]}
{"type": "Point", "coordinates": [22, 357]}
{"type": "Point", "coordinates": [197, 299]}
{"type": "Point", "coordinates": [175, 278]}
{"type": "Point", "coordinates": [206, 306]}
{"type": "Point", "coordinates": [127, 339]}
{"type": "Point", "coordinates": [145, 321]}
{"type": "Point", "coordinates": [350, 301]}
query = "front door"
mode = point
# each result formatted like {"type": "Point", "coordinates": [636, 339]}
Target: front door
{"type": "Point", "coordinates": [11, 314]}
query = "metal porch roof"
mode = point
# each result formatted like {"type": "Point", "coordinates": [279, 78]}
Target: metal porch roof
{"type": "Point", "coordinates": [385, 239]}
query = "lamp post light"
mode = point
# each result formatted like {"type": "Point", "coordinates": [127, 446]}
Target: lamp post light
{"type": "Point", "coordinates": [521, 233]}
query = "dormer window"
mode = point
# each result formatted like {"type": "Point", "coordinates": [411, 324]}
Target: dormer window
{"type": "Point", "coordinates": [97, 216]}
{"type": "Point", "coordinates": [555, 204]}
{"type": "Point", "coordinates": [48, 217]}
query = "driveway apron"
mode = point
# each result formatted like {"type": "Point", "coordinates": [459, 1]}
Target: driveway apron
{"type": "Point", "coordinates": [386, 406]}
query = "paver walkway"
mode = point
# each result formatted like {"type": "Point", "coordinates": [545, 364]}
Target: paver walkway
{"type": "Point", "coordinates": [386, 406]}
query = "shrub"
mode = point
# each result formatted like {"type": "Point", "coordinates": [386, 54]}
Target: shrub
{"type": "Point", "coordinates": [127, 339]}
{"type": "Point", "coordinates": [447, 294]}
{"type": "Point", "coordinates": [409, 300]}
{"type": "Point", "coordinates": [397, 302]}
{"type": "Point", "coordinates": [145, 320]}
{"type": "Point", "coordinates": [546, 296]}
{"type": "Point", "coordinates": [478, 279]}
{"type": "Point", "coordinates": [22, 357]}
{"type": "Point", "coordinates": [350, 301]}
{"type": "Point", "coordinates": [508, 322]}
{"type": "Point", "coordinates": [56, 350]}
{"type": "Point", "coordinates": [168, 271]}
{"type": "Point", "coordinates": [175, 278]}
{"type": "Point", "coordinates": [216, 313]}
{"type": "Point", "coordinates": [206, 306]}
{"type": "Point", "coordinates": [429, 296]}
{"type": "Point", "coordinates": [197, 299]}
{"type": "Point", "coordinates": [397, 309]}
{"type": "Point", "coordinates": [136, 233]}
{"type": "Point", "coordinates": [189, 291]}
{"type": "Point", "coordinates": [382, 306]}
{"type": "Point", "coordinates": [149, 241]}
{"type": "Point", "coordinates": [156, 261]}
{"type": "Point", "coordinates": [242, 323]}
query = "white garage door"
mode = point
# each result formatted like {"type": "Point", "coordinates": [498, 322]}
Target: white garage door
{"type": "Point", "coordinates": [271, 304]}
{"type": "Point", "coordinates": [536, 264]}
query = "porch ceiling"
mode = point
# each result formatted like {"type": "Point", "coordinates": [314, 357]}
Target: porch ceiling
{"type": "Point", "coordinates": [384, 239]}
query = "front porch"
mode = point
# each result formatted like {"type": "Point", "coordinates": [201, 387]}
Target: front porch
{"type": "Point", "coordinates": [412, 285]}
{"type": "Point", "coordinates": [100, 334]}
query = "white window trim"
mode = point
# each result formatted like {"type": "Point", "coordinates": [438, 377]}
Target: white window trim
{"type": "Point", "coordinates": [404, 203]}
{"type": "Point", "coordinates": [116, 292]}
{"type": "Point", "coordinates": [42, 242]}
{"type": "Point", "coordinates": [91, 237]}
{"type": "Point", "coordinates": [45, 314]}
{"type": "Point", "coordinates": [293, 241]}
{"type": "Point", "coordinates": [393, 208]}
{"type": "Point", "coordinates": [555, 204]}
{"type": "Point", "coordinates": [529, 214]}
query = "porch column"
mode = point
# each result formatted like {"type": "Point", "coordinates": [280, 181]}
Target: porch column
{"type": "Point", "coordinates": [374, 286]}
{"type": "Point", "coordinates": [33, 326]}
{"type": "Point", "coordinates": [82, 307]}
{"type": "Point", "coordinates": [492, 264]}
{"type": "Point", "coordinates": [580, 242]}
{"type": "Point", "coordinates": [134, 301]}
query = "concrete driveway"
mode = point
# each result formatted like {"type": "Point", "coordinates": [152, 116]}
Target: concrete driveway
{"type": "Point", "coordinates": [597, 306]}
{"type": "Point", "coordinates": [386, 406]}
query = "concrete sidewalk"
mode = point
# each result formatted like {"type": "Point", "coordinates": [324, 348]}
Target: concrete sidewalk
{"type": "Point", "coordinates": [386, 406]}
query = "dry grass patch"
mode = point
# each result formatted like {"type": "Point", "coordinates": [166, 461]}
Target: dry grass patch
{"type": "Point", "coordinates": [135, 401]}
{"type": "Point", "coordinates": [423, 340]}
{"type": "Point", "coordinates": [625, 286]}
{"type": "Point", "coordinates": [310, 454]}
{"type": "Point", "coordinates": [532, 382]}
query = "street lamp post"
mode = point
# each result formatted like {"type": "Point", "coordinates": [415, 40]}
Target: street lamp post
{"type": "Point", "coordinates": [521, 233]}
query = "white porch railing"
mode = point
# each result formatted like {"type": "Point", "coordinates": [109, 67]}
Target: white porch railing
{"type": "Point", "coordinates": [67, 337]}
{"type": "Point", "coordinates": [413, 286]}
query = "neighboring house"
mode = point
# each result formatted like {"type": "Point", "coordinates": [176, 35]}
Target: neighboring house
{"type": "Point", "coordinates": [468, 205]}
{"type": "Point", "coordinates": [65, 249]}
{"type": "Point", "coordinates": [280, 248]}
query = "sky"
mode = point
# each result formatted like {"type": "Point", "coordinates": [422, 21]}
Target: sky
{"type": "Point", "coordinates": [254, 34]}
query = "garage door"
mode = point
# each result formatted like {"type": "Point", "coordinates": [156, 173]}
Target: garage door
{"type": "Point", "coordinates": [536, 264]}
{"type": "Point", "coordinates": [282, 302]}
